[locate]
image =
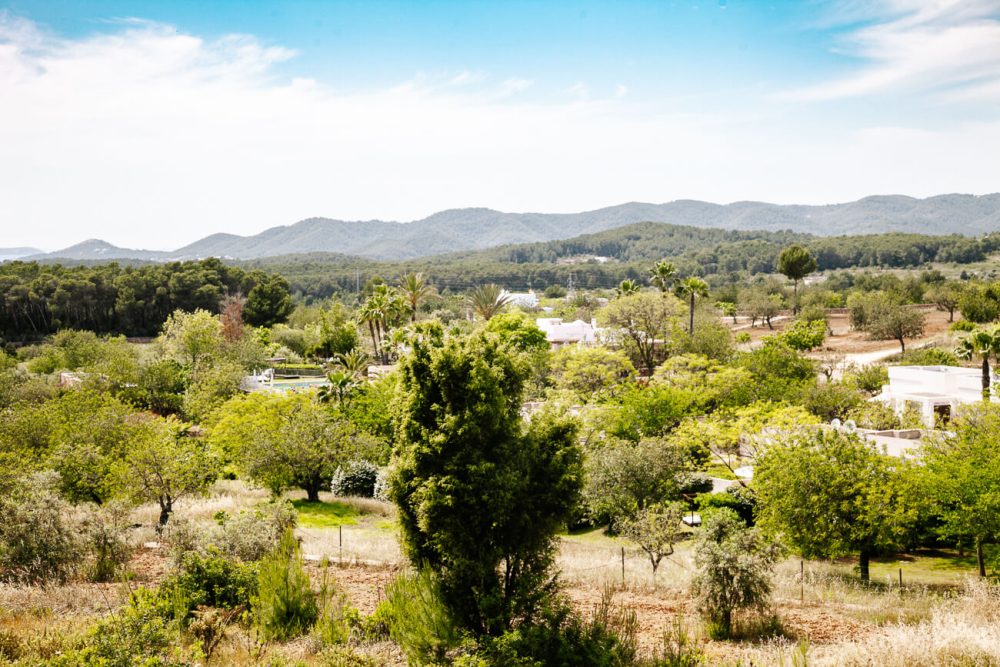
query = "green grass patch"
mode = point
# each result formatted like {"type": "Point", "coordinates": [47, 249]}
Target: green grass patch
{"type": "Point", "coordinates": [325, 515]}
{"type": "Point", "coordinates": [720, 471]}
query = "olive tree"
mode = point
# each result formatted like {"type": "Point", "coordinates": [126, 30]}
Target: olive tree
{"type": "Point", "coordinates": [644, 321]}
{"type": "Point", "coordinates": [656, 529]}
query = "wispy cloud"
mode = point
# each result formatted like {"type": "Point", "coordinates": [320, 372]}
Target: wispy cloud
{"type": "Point", "coordinates": [949, 48]}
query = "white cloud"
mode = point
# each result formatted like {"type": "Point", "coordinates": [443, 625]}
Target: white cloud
{"type": "Point", "coordinates": [951, 47]}
{"type": "Point", "coordinates": [149, 137]}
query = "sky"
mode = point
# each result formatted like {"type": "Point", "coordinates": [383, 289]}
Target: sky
{"type": "Point", "coordinates": [153, 124]}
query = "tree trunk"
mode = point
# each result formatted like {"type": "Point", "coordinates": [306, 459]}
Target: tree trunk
{"type": "Point", "coordinates": [980, 561]}
{"type": "Point", "coordinates": [166, 507]}
{"type": "Point", "coordinates": [986, 378]}
{"type": "Point", "coordinates": [864, 565]}
{"type": "Point", "coordinates": [691, 323]}
{"type": "Point", "coordinates": [312, 493]}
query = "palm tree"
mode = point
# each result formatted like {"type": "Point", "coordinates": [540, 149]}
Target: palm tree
{"type": "Point", "coordinates": [663, 275]}
{"type": "Point", "coordinates": [487, 300]}
{"type": "Point", "coordinates": [627, 287]}
{"type": "Point", "coordinates": [342, 385]}
{"type": "Point", "coordinates": [354, 362]}
{"type": "Point", "coordinates": [414, 290]}
{"type": "Point", "coordinates": [381, 311]}
{"type": "Point", "coordinates": [688, 289]}
{"type": "Point", "coordinates": [982, 344]}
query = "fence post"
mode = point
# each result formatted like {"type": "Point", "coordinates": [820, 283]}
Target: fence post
{"type": "Point", "coordinates": [623, 567]}
{"type": "Point", "coordinates": [802, 581]}
{"type": "Point", "coordinates": [900, 581]}
{"type": "Point", "coordinates": [340, 535]}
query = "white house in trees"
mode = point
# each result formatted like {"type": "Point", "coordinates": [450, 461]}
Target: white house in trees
{"type": "Point", "coordinates": [937, 391]}
{"type": "Point", "coordinates": [560, 333]}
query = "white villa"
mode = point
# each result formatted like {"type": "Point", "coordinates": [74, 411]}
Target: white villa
{"type": "Point", "coordinates": [934, 390]}
{"type": "Point", "coordinates": [560, 333]}
{"type": "Point", "coordinates": [522, 299]}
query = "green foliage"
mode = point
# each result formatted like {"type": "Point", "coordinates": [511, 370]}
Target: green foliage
{"type": "Point", "coordinates": [625, 478]}
{"type": "Point", "coordinates": [980, 303]}
{"type": "Point", "coordinates": [591, 373]}
{"type": "Point", "coordinates": [779, 372]}
{"type": "Point", "coordinates": [419, 620]}
{"type": "Point", "coordinates": [38, 541]}
{"type": "Point", "coordinates": [476, 487]}
{"type": "Point", "coordinates": [517, 330]}
{"type": "Point", "coordinates": [736, 498]}
{"type": "Point", "coordinates": [869, 379]}
{"type": "Point", "coordinates": [209, 579]}
{"type": "Point", "coordinates": [715, 385]}
{"type": "Point", "coordinates": [652, 411]}
{"type": "Point", "coordinates": [929, 356]}
{"type": "Point", "coordinates": [355, 478]}
{"type": "Point", "coordinates": [734, 567]}
{"type": "Point", "coordinates": [962, 326]}
{"type": "Point", "coordinates": [643, 319]}
{"type": "Point", "coordinates": [163, 464]}
{"type": "Point", "coordinates": [804, 335]}
{"type": "Point", "coordinates": [832, 400]}
{"type": "Point", "coordinates": [106, 541]}
{"type": "Point", "coordinates": [963, 476]}
{"type": "Point", "coordinates": [192, 338]}
{"type": "Point", "coordinates": [656, 529]}
{"type": "Point", "coordinates": [829, 493]}
{"type": "Point", "coordinates": [795, 263]}
{"type": "Point", "coordinates": [269, 302]}
{"type": "Point", "coordinates": [285, 606]}
{"type": "Point", "coordinates": [487, 300]}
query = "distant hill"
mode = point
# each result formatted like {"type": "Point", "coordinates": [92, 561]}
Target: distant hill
{"type": "Point", "coordinates": [17, 253]}
{"type": "Point", "coordinates": [480, 228]}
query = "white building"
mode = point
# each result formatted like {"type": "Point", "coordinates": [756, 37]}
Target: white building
{"type": "Point", "coordinates": [937, 391]}
{"type": "Point", "coordinates": [560, 333]}
{"type": "Point", "coordinates": [522, 299]}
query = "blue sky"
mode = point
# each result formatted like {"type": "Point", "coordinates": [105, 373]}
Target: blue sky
{"type": "Point", "coordinates": [196, 117]}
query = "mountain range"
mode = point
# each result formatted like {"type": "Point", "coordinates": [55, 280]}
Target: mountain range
{"type": "Point", "coordinates": [480, 228]}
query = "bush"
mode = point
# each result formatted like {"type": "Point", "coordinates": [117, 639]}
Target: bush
{"type": "Point", "coordinates": [107, 541]}
{"type": "Point", "coordinates": [963, 325]}
{"type": "Point", "coordinates": [251, 535]}
{"type": "Point", "coordinates": [37, 541]}
{"type": "Point", "coordinates": [209, 580]}
{"type": "Point", "coordinates": [869, 378]}
{"type": "Point", "coordinates": [356, 478]}
{"type": "Point", "coordinates": [875, 415]}
{"type": "Point", "coordinates": [418, 619]}
{"type": "Point", "coordinates": [929, 356]}
{"type": "Point", "coordinates": [734, 571]}
{"type": "Point", "coordinates": [285, 606]}
{"type": "Point", "coordinates": [832, 400]}
{"type": "Point", "coordinates": [736, 498]}
{"type": "Point", "coordinates": [336, 617]}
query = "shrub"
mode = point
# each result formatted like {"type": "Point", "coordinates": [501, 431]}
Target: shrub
{"type": "Point", "coordinates": [962, 325]}
{"type": "Point", "coordinates": [734, 571]}
{"type": "Point", "coordinates": [251, 535]}
{"type": "Point", "coordinates": [381, 489]}
{"type": "Point", "coordinates": [355, 478]}
{"type": "Point", "coordinates": [419, 621]}
{"type": "Point", "coordinates": [210, 580]}
{"type": "Point", "coordinates": [930, 356]}
{"type": "Point", "coordinates": [37, 541]}
{"type": "Point", "coordinates": [336, 616]}
{"type": "Point", "coordinates": [804, 335]}
{"type": "Point", "coordinates": [870, 378]}
{"type": "Point", "coordinates": [736, 498]}
{"type": "Point", "coordinates": [285, 606]}
{"type": "Point", "coordinates": [107, 541]}
{"type": "Point", "coordinates": [832, 400]}
{"type": "Point", "coordinates": [875, 415]}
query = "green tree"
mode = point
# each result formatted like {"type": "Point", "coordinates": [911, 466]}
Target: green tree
{"type": "Point", "coordinates": [828, 494]}
{"type": "Point", "coordinates": [415, 290]}
{"type": "Point", "coordinates": [518, 330]}
{"type": "Point", "coordinates": [688, 290]}
{"type": "Point", "coordinates": [983, 345]}
{"type": "Point", "coordinates": [191, 338]}
{"type": "Point", "coordinates": [895, 321]}
{"type": "Point", "coordinates": [656, 529]}
{"type": "Point", "coordinates": [592, 373]}
{"type": "Point", "coordinates": [487, 300]}
{"type": "Point", "coordinates": [269, 302]}
{"type": "Point", "coordinates": [481, 494]}
{"type": "Point", "coordinates": [628, 287]}
{"type": "Point", "coordinates": [663, 275]}
{"type": "Point", "coordinates": [945, 296]}
{"type": "Point", "coordinates": [963, 471]}
{"type": "Point", "coordinates": [163, 464]}
{"type": "Point", "coordinates": [624, 478]}
{"type": "Point", "coordinates": [804, 336]}
{"type": "Point", "coordinates": [735, 565]}
{"type": "Point", "coordinates": [795, 263]}
{"type": "Point", "coordinates": [380, 312]}
{"type": "Point", "coordinates": [644, 321]}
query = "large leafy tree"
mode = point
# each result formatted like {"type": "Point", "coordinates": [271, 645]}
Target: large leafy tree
{"type": "Point", "coordinates": [829, 494]}
{"type": "Point", "coordinates": [663, 275]}
{"type": "Point", "coordinates": [645, 321]}
{"type": "Point", "coordinates": [192, 338]}
{"type": "Point", "coordinates": [481, 493]}
{"type": "Point", "coordinates": [795, 263]}
{"type": "Point", "coordinates": [269, 302]}
{"type": "Point", "coordinates": [163, 465]}
{"type": "Point", "coordinates": [963, 474]}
